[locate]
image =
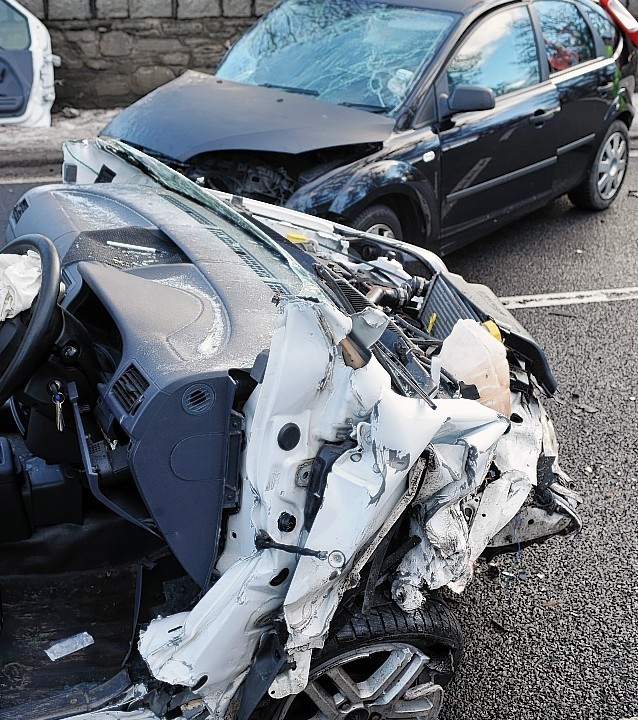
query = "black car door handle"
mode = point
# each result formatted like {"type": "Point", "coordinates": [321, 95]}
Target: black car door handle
{"type": "Point", "coordinates": [541, 116]}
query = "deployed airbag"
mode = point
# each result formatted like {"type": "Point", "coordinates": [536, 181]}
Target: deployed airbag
{"type": "Point", "coordinates": [20, 278]}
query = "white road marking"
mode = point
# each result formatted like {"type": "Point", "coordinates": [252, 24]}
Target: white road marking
{"type": "Point", "coordinates": [633, 153]}
{"type": "Point", "coordinates": [577, 297]}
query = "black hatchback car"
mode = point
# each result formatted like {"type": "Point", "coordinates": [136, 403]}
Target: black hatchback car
{"type": "Point", "coordinates": [433, 121]}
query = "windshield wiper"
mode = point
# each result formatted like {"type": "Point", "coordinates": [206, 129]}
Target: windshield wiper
{"type": "Point", "coordinates": [301, 91]}
{"type": "Point", "coordinates": [366, 106]}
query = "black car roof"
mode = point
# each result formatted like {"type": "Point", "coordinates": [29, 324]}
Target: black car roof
{"type": "Point", "coordinates": [457, 6]}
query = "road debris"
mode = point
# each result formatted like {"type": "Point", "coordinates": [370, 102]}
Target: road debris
{"type": "Point", "coordinates": [69, 645]}
{"type": "Point", "coordinates": [499, 627]}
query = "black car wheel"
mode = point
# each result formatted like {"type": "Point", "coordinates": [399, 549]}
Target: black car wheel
{"type": "Point", "coordinates": [607, 172]}
{"type": "Point", "coordinates": [379, 220]}
{"type": "Point", "coordinates": [386, 665]}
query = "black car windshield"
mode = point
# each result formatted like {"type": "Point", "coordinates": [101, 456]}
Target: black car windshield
{"type": "Point", "coordinates": [358, 53]}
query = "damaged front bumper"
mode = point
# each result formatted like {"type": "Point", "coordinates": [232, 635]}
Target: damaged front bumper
{"type": "Point", "coordinates": [478, 488]}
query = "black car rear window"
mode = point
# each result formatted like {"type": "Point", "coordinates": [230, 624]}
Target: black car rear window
{"type": "Point", "coordinates": [567, 37]}
{"type": "Point", "coordinates": [604, 26]}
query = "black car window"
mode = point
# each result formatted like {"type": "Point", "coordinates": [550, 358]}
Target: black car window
{"type": "Point", "coordinates": [567, 37]}
{"type": "Point", "coordinates": [14, 29]}
{"type": "Point", "coordinates": [604, 26]}
{"type": "Point", "coordinates": [359, 53]}
{"type": "Point", "coordinates": [501, 54]}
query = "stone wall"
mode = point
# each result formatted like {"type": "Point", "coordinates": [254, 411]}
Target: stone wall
{"type": "Point", "coordinates": [115, 51]}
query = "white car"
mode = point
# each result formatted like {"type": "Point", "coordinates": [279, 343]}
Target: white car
{"type": "Point", "coordinates": [26, 68]}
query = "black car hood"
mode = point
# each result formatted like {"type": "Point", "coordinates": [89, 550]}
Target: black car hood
{"type": "Point", "coordinates": [199, 113]}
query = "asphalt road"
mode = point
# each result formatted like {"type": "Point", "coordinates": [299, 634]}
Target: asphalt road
{"type": "Point", "coordinates": [553, 633]}
{"type": "Point", "coordinates": [569, 648]}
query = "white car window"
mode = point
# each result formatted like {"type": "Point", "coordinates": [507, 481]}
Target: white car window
{"type": "Point", "coordinates": [14, 29]}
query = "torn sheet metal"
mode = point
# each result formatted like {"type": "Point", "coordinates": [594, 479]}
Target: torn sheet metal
{"type": "Point", "coordinates": [456, 517]}
{"type": "Point", "coordinates": [357, 454]}
{"type": "Point", "coordinates": [311, 385]}
{"type": "Point", "coordinates": [462, 460]}
{"type": "Point", "coordinates": [112, 710]}
{"type": "Point", "coordinates": [555, 505]}
{"type": "Point", "coordinates": [306, 385]}
{"type": "Point", "coordinates": [515, 461]}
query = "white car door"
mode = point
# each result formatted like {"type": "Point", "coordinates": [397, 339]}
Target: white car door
{"type": "Point", "coordinates": [26, 68]}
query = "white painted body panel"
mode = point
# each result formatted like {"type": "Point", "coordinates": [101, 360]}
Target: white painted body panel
{"type": "Point", "coordinates": [38, 110]}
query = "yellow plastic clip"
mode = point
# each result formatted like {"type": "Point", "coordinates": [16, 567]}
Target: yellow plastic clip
{"type": "Point", "coordinates": [431, 323]}
{"type": "Point", "coordinates": [294, 238]}
{"type": "Point", "coordinates": [493, 330]}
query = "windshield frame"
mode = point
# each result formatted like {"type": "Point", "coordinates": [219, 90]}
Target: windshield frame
{"type": "Point", "coordinates": [173, 181]}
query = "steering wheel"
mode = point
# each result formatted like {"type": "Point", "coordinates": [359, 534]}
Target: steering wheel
{"type": "Point", "coordinates": [41, 326]}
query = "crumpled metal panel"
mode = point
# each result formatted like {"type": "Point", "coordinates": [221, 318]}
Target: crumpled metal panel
{"type": "Point", "coordinates": [247, 118]}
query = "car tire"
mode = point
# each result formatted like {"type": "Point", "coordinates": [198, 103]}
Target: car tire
{"type": "Point", "coordinates": [607, 172]}
{"type": "Point", "coordinates": [426, 644]}
{"type": "Point", "coordinates": [379, 220]}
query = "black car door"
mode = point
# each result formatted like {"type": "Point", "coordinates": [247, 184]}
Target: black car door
{"type": "Point", "coordinates": [16, 61]}
{"type": "Point", "coordinates": [584, 80]}
{"type": "Point", "coordinates": [495, 162]}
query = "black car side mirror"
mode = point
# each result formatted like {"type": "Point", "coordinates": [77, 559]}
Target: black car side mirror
{"type": "Point", "coordinates": [467, 98]}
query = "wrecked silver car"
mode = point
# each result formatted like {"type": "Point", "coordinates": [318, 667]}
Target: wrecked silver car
{"type": "Point", "coordinates": [247, 449]}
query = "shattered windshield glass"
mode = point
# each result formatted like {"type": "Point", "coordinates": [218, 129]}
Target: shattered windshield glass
{"type": "Point", "coordinates": [349, 52]}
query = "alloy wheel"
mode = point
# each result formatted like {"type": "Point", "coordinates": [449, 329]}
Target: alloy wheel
{"type": "Point", "coordinates": [374, 682]}
{"type": "Point", "coordinates": [612, 165]}
{"type": "Point", "coordinates": [382, 230]}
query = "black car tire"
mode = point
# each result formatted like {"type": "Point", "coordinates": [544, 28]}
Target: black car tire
{"type": "Point", "coordinates": [607, 172]}
{"type": "Point", "coordinates": [379, 220]}
{"type": "Point", "coordinates": [360, 649]}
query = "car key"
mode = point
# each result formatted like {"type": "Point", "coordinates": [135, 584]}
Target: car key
{"type": "Point", "coordinates": [58, 398]}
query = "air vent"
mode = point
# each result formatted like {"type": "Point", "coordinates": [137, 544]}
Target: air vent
{"type": "Point", "coordinates": [129, 389]}
{"type": "Point", "coordinates": [66, 278]}
{"type": "Point", "coordinates": [18, 210]}
{"type": "Point", "coordinates": [198, 399]}
{"type": "Point", "coordinates": [278, 287]}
